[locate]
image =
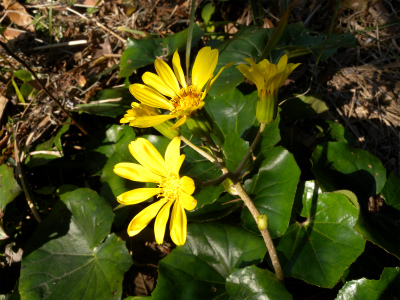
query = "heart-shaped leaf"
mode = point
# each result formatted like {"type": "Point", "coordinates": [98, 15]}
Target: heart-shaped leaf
{"type": "Point", "coordinates": [320, 249]}
{"type": "Point", "coordinates": [234, 150]}
{"type": "Point", "coordinates": [272, 190]}
{"type": "Point", "coordinates": [198, 270]}
{"type": "Point", "coordinates": [66, 257]}
{"type": "Point", "coordinates": [391, 191]}
{"type": "Point", "coordinates": [252, 283]}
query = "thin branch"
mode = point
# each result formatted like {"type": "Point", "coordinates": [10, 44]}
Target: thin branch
{"type": "Point", "coordinates": [5, 47]}
{"type": "Point", "coordinates": [199, 150]}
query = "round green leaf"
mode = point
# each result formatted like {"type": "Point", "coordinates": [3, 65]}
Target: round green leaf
{"type": "Point", "coordinates": [391, 191]}
{"type": "Point", "coordinates": [66, 258]}
{"type": "Point", "coordinates": [387, 287]}
{"type": "Point", "coordinates": [252, 283]}
{"type": "Point", "coordinates": [338, 166]}
{"type": "Point", "coordinates": [9, 188]}
{"type": "Point", "coordinates": [234, 149]}
{"type": "Point", "coordinates": [304, 106]}
{"type": "Point", "coordinates": [272, 190]}
{"type": "Point", "coordinates": [233, 111]}
{"type": "Point", "coordinates": [198, 270]}
{"type": "Point", "coordinates": [320, 249]}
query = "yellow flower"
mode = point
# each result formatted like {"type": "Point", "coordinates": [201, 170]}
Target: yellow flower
{"type": "Point", "coordinates": [169, 90]}
{"type": "Point", "coordinates": [171, 189]}
{"type": "Point", "coordinates": [268, 78]}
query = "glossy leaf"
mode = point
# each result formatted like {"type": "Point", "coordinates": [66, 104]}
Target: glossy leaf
{"type": "Point", "coordinates": [47, 151]}
{"type": "Point", "coordinates": [336, 132]}
{"type": "Point", "coordinates": [252, 283]}
{"type": "Point", "coordinates": [104, 143]}
{"type": "Point", "coordinates": [66, 258]}
{"type": "Point", "coordinates": [391, 191]}
{"type": "Point", "coordinates": [198, 270]}
{"type": "Point", "coordinates": [109, 103]}
{"type": "Point", "coordinates": [339, 166]}
{"type": "Point", "coordinates": [215, 210]}
{"type": "Point", "coordinates": [387, 287]}
{"type": "Point", "coordinates": [272, 190]}
{"type": "Point", "coordinates": [143, 52]}
{"type": "Point", "coordinates": [233, 111]}
{"type": "Point", "coordinates": [234, 149]}
{"type": "Point", "coordinates": [9, 188]}
{"type": "Point", "coordinates": [320, 249]}
{"type": "Point", "coordinates": [271, 135]}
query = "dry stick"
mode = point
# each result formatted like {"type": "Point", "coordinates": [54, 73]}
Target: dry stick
{"type": "Point", "coordinates": [22, 179]}
{"type": "Point", "coordinates": [5, 47]}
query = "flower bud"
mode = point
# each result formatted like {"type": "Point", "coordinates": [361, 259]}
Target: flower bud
{"type": "Point", "coordinates": [262, 222]}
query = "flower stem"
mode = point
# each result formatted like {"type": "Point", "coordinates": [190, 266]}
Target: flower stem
{"type": "Point", "coordinates": [199, 150]}
{"type": "Point", "coordinates": [265, 233]}
{"type": "Point", "coordinates": [251, 149]}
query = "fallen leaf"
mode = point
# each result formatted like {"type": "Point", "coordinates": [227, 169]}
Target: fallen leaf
{"type": "Point", "coordinates": [18, 15]}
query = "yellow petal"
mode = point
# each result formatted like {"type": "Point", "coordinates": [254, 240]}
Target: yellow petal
{"type": "Point", "coordinates": [178, 224]}
{"type": "Point", "coordinates": [180, 122]}
{"type": "Point", "coordinates": [166, 74]}
{"type": "Point", "coordinates": [143, 218]}
{"type": "Point", "coordinates": [149, 96]}
{"type": "Point", "coordinates": [204, 66]}
{"type": "Point", "coordinates": [172, 155]}
{"type": "Point", "coordinates": [176, 63]}
{"type": "Point", "coordinates": [282, 63]}
{"type": "Point", "coordinates": [219, 72]}
{"type": "Point", "coordinates": [187, 201]}
{"type": "Point", "coordinates": [158, 84]}
{"type": "Point", "coordinates": [150, 121]}
{"type": "Point", "coordinates": [251, 75]}
{"type": "Point", "coordinates": [161, 222]}
{"type": "Point", "coordinates": [135, 172]}
{"type": "Point", "coordinates": [136, 196]}
{"type": "Point", "coordinates": [187, 185]}
{"type": "Point", "coordinates": [148, 156]}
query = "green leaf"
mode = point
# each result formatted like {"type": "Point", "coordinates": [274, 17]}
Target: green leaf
{"type": "Point", "coordinates": [233, 111]}
{"type": "Point", "coordinates": [387, 287]}
{"type": "Point", "coordinates": [212, 207]}
{"type": "Point", "coordinates": [339, 166]}
{"type": "Point", "coordinates": [47, 151]}
{"type": "Point", "coordinates": [272, 190]}
{"type": "Point", "coordinates": [207, 12]}
{"type": "Point", "coordinates": [143, 52]}
{"type": "Point", "coordinates": [23, 75]}
{"type": "Point", "coordinates": [198, 270]}
{"type": "Point", "coordinates": [304, 106]}
{"type": "Point", "coordinates": [271, 135]}
{"type": "Point", "coordinates": [66, 257]}
{"type": "Point", "coordinates": [9, 188]}
{"type": "Point", "coordinates": [104, 143]}
{"type": "Point", "coordinates": [320, 249]}
{"type": "Point", "coordinates": [109, 103]}
{"type": "Point", "coordinates": [391, 191]}
{"type": "Point", "coordinates": [336, 132]}
{"type": "Point", "coordinates": [234, 149]}
{"type": "Point", "coordinates": [252, 283]}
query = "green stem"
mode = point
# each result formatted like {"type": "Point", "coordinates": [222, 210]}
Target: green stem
{"type": "Point", "coordinates": [265, 233]}
{"type": "Point", "coordinates": [199, 150]}
{"type": "Point", "coordinates": [251, 149]}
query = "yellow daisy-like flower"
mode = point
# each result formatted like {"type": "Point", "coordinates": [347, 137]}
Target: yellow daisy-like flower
{"type": "Point", "coordinates": [139, 111]}
{"type": "Point", "coordinates": [172, 189]}
{"type": "Point", "coordinates": [169, 90]}
{"type": "Point", "coordinates": [268, 78]}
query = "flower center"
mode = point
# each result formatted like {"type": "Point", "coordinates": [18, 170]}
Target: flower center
{"type": "Point", "coordinates": [187, 101]}
{"type": "Point", "coordinates": [170, 187]}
